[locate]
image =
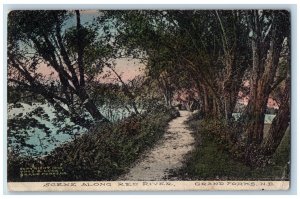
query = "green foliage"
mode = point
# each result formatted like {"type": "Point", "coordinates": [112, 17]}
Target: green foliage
{"type": "Point", "coordinates": [23, 24]}
{"type": "Point", "coordinates": [207, 51]}
{"type": "Point", "coordinates": [102, 154]}
{"type": "Point", "coordinates": [74, 55]}
{"type": "Point", "coordinates": [212, 158]}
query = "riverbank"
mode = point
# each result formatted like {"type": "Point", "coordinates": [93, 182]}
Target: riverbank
{"type": "Point", "coordinates": [103, 154]}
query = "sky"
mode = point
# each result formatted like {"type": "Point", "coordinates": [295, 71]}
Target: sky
{"type": "Point", "coordinates": [128, 69]}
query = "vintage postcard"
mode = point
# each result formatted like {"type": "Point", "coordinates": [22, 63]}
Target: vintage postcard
{"type": "Point", "coordinates": [148, 100]}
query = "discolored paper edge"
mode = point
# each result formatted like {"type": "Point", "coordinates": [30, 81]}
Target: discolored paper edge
{"type": "Point", "coordinates": [149, 186]}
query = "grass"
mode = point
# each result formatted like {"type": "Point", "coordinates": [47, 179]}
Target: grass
{"type": "Point", "coordinates": [212, 160]}
{"type": "Point", "coordinates": [102, 154]}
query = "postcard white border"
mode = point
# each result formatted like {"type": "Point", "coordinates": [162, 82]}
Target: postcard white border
{"type": "Point", "coordinates": [214, 5]}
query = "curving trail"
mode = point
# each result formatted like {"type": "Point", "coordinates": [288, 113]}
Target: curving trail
{"type": "Point", "coordinates": [168, 154]}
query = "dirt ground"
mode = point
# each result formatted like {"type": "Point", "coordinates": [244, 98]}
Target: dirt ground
{"type": "Point", "coordinates": [167, 155]}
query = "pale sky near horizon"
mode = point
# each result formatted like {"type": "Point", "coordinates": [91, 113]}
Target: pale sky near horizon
{"type": "Point", "coordinates": [128, 69]}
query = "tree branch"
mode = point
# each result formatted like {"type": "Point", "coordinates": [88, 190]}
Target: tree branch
{"type": "Point", "coordinates": [80, 49]}
{"type": "Point", "coordinates": [126, 89]}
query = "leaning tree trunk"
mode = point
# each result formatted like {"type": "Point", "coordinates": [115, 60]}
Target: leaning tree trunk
{"type": "Point", "coordinates": [90, 106]}
{"type": "Point", "coordinates": [92, 109]}
{"type": "Point", "coordinates": [277, 130]}
{"type": "Point", "coordinates": [280, 122]}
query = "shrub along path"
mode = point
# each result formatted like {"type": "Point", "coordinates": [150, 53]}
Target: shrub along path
{"type": "Point", "coordinates": [167, 155]}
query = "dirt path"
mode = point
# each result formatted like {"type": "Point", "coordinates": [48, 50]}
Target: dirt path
{"type": "Point", "coordinates": [168, 154]}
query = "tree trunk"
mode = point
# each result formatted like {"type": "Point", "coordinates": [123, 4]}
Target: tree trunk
{"type": "Point", "coordinates": [255, 121]}
{"type": "Point", "coordinates": [230, 92]}
{"type": "Point", "coordinates": [229, 104]}
{"type": "Point", "coordinates": [205, 101]}
{"type": "Point", "coordinates": [216, 108]}
{"type": "Point", "coordinates": [234, 66]}
{"type": "Point", "coordinates": [90, 106]}
{"type": "Point", "coordinates": [277, 130]}
{"type": "Point", "coordinates": [280, 122]}
{"type": "Point", "coordinates": [92, 109]}
{"type": "Point", "coordinates": [265, 56]}
{"type": "Point", "coordinates": [168, 97]}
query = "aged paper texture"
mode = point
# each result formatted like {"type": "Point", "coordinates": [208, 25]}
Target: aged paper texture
{"type": "Point", "coordinates": [148, 100]}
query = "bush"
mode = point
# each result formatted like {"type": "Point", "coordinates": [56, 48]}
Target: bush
{"type": "Point", "coordinates": [102, 154]}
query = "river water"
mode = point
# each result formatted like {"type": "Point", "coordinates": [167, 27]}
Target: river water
{"type": "Point", "coordinates": [37, 141]}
